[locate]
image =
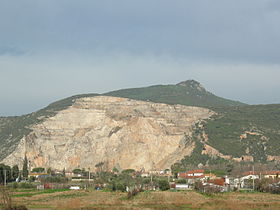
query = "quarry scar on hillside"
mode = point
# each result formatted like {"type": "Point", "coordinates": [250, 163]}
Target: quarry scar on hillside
{"type": "Point", "coordinates": [120, 132]}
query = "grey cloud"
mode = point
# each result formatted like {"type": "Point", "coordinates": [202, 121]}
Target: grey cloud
{"type": "Point", "coordinates": [218, 30]}
{"type": "Point", "coordinates": [68, 47]}
{"type": "Point", "coordinates": [8, 50]}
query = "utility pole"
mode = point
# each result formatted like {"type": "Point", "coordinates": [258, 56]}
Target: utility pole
{"type": "Point", "coordinates": [253, 178]}
{"type": "Point", "coordinates": [5, 177]}
{"type": "Point", "coordinates": [152, 184]}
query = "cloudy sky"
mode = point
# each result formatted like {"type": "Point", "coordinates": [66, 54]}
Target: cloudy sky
{"type": "Point", "coordinates": [51, 49]}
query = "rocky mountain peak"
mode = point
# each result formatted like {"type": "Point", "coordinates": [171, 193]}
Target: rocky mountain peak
{"type": "Point", "coordinates": [193, 84]}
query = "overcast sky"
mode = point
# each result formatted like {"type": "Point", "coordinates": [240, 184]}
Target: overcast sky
{"type": "Point", "coordinates": [51, 49]}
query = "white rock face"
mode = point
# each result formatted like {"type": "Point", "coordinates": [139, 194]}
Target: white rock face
{"type": "Point", "coordinates": [117, 131]}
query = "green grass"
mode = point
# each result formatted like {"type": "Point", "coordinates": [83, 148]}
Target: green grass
{"type": "Point", "coordinates": [25, 190]}
{"type": "Point", "coordinates": [71, 195]}
{"type": "Point", "coordinates": [48, 191]}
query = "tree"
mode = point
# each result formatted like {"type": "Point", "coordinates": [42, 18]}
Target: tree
{"type": "Point", "coordinates": [99, 166]}
{"type": "Point", "coordinates": [49, 171]}
{"type": "Point", "coordinates": [163, 184]}
{"type": "Point", "coordinates": [182, 181]}
{"type": "Point", "coordinates": [128, 171]}
{"type": "Point", "coordinates": [15, 172]}
{"type": "Point", "coordinates": [25, 167]}
{"type": "Point", "coordinates": [38, 170]}
{"type": "Point", "coordinates": [84, 173]}
{"type": "Point", "coordinates": [77, 171]}
{"type": "Point", "coordinates": [115, 170]}
{"type": "Point", "coordinates": [2, 168]}
{"type": "Point", "coordinates": [5, 173]}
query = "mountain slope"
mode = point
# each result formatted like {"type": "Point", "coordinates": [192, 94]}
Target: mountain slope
{"type": "Point", "coordinates": [13, 129]}
{"type": "Point", "coordinates": [242, 134]}
{"type": "Point", "coordinates": [189, 93]}
{"type": "Point", "coordinates": [249, 130]}
{"type": "Point", "coordinates": [237, 131]}
{"type": "Point", "coordinates": [119, 132]}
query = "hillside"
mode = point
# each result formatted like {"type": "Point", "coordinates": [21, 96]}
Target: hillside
{"type": "Point", "coordinates": [236, 131]}
{"type": "Point", "coordinates": [13, 129]}
{"type": "Point", "coordinates": [118, 132]}
{"type": "Point", "coordinates": [246, 133]}
{"type": "Point", "coordinates": [189, 93]}
{"type": "Point", "coordinates": [248, 130]}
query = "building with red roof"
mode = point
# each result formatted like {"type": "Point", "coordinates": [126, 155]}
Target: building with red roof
{"type": "Point", "coordinates": [194, 174]}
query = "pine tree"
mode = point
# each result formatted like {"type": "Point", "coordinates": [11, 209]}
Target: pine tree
{"type": "Point", "coordinates": [63, 172]}
{"type": "Point", "coordinates": [25, 168]}
{"type": "Point", "coordinates": [15, 172]}
{"type": "Point", "coordinates": [49, 171]}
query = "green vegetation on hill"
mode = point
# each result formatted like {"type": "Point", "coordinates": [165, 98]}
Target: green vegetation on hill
{"type": "Point", "coordinates": [261, 122]}
{"type": "Point", "coordinates": [196, 158]}
{"type": "Point", "coordinates": [189, 93]}
{"type": "Point", "coordinates": [224, 129]}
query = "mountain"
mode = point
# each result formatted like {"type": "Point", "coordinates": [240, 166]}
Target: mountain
{"type": "Point", "coordinates": [152, 128]}
{"type": "Point", "coordinates": [246, 131]}
{"type": "Point", "coordinates": [119, 132]}
{"type": "Point", "coordinates": [239, 134]}
{"type": "Point", "coordinates": [189, 93]}
{"type": "Point", "coordinates": [13, 129]}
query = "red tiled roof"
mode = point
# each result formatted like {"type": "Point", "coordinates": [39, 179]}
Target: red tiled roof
{"type": "Point", "coordinates": [185, 176]}
{"type": "Point", "coordinates": [270, 173]}
{"type": "Point", "coordinates": [220, 182]}
{"type": "Point", "coordinates": [250, 173]}
{"type": "Point", "coordinates": [195, 171]}
{"type": "Point", "coordinates": [194, 177]}
{"type": "Point", "coordinates": [182, 174]}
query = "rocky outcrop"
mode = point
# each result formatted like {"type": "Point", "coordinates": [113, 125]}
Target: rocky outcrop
{"type": "Point", "coordinates": [273, 158]}
{"type": "Point", "coordinates": [116, 131]}
{"type": "Point", "coordinates": [212, 152]}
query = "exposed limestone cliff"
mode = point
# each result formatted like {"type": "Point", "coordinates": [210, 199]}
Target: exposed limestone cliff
{"type": "Point", "coordinates": [117, 131]}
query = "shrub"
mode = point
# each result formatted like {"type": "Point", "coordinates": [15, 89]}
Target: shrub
{"type": "Point", "coordinates": [31, 178]}
{"type": "Point", "coordinates": [163, 184]}
{"type": "Point", "coordinates": [117, 185]}
{"type": "Point", "coordinates": [38, 170]}
{"type": "Point", "coordinates": [15, 185]}
{"type": "Point", "coordinates": [120, 186]}
{"type": "Point", "coordinates": [54, 179]}
{"type": "Point", "coordinates": [77, 171]}
{"type": "Point", "coordinates": [128, 171]}
{"type": "Point", "coordinates": [132, 193]}
{"type": "Point", "coordinates": [26, 185]}
{"type": "Point", "coordinates": [182, 181]}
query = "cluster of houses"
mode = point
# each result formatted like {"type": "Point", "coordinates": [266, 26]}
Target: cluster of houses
{"type": "Point", "coordinates": [188, 180]}
{"type": "Point", "coordinates": [226, 183]}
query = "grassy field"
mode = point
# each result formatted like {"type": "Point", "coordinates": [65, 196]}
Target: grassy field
{"type": "Point", "coordinates": [54, 199]}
